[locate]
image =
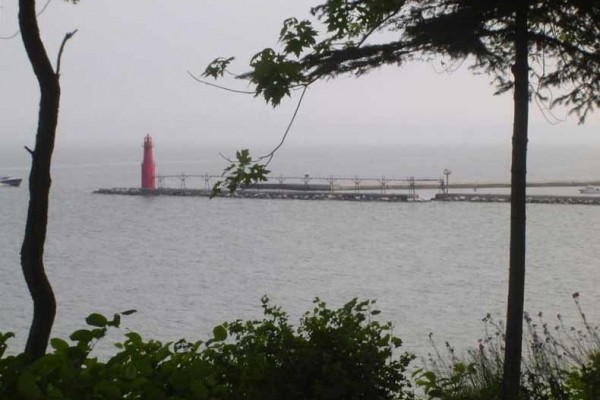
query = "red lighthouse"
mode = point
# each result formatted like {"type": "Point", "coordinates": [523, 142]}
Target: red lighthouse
{"type": "Point", "coordinates": [148, 178]}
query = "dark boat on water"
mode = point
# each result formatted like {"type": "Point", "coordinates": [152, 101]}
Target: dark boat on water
{"type": "Point", "coordinates": [9, 181]}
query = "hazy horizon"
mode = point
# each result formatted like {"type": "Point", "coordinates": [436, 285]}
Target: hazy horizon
{"type": "Point", "coordinates": [124, 74]}
{"type": "Point", "coordinates": [473, 163]}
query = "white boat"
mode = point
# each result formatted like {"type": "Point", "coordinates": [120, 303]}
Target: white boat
{"type": "Point", "coordinates": [10, 181]}
{"type": "Point", "coordinates": [590, 190]}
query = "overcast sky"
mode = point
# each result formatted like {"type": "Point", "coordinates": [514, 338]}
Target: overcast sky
{"type": "Point", "coordinates": [124, 75]}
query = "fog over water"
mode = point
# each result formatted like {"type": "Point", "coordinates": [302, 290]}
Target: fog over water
{"type": "Point", "coordinates": [187, 264]}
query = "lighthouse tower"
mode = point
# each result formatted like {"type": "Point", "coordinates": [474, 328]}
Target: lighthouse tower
{"type": "Point", "coordinates": [148, 177]}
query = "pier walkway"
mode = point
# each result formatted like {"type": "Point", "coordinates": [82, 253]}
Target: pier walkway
{"type": "Point", "coordinates": [353, 183]}
{"type": "Point", "coordinates": [353, 189]}
{"type": "Point", "coordinates": [309, 183]}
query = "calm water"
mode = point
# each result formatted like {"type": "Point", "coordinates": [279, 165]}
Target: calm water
{"type": "Point", "coordinates": [188, 264]}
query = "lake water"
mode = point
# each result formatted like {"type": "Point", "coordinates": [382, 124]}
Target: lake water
{"type": "Point", "coordinates": [187, 264]}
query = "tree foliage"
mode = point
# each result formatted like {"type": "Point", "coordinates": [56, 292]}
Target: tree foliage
{"type": "Point", "coordinates": [532, 47]}
{"type": "Point", "coordinates": [563, 37]}
{"type": "Point", "coordinates": [333, 354]}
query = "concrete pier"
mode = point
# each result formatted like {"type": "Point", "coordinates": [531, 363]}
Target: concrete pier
{"type": "Point", "coordinates": [505, 198]}
{"type": "Point", "coordinates": [262, 194]}
{"type": "Point", "coordinates": [352, 196]}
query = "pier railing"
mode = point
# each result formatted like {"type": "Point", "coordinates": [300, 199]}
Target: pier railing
{"type": "Point", "coordinates": [309, 183]}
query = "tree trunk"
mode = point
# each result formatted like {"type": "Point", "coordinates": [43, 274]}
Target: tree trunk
{"type": "Point", "coordinates": [32, 251]}
{"type": "Point", "coordinates": [516, 280]}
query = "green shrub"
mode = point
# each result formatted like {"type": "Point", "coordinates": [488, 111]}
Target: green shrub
{"type": "Point", "coordinates": [332, 354]}
{"type": "Point", "coordinates": [559, 363]}
{"type": "Point", "coordinates": [583, 383]}
{"type": "Point", "coordinates": [340, 354]}
{"type": "Point", "coordinates": [476, 377]}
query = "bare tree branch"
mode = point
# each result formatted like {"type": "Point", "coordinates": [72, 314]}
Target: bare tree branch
{"type": "Point", "coordinates": [218, 86]}
{"type": "Point", "coordinates": [60, 52]}
{"type": "Point", "coordinates": [270, 155]}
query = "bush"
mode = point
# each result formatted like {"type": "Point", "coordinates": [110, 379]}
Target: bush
{"type": "Point", "coordinates": [332, 354]}
{"type": "Point", "coordinates": [476, 377]}
{"type": "Point", "coordinates": [559, 363]}
{"type": "Point", "coordinates": [583, 383]}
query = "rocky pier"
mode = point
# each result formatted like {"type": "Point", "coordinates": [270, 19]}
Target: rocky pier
{"type": "Point", "coordinates": [505, 198]}
{"type": "Point", "coordinates": [262, 194]}
{"type": "Point", "coordinates": [351, 196]}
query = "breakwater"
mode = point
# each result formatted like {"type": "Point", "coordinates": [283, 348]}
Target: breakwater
{"type": "Point", "coordinates": [351, 196]}
{"type": "Point", "coordinates": [505, 198]}
{"type": "Point", "coordinates": [262, 194]}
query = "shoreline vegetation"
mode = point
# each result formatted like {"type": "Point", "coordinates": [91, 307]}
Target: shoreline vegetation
{"type": "Point", "coordinates": [344, 353]}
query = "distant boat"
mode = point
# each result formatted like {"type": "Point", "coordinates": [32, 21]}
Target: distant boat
{"type": "Point", "coordinates": [9, 181]}
{"type": "Point", "coordinates": [590, 190]}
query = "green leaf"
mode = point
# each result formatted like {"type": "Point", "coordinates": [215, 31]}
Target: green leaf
{"type": "Point", "coordinates": [199, 390]}
{"type": "Point", "coordinates": [116, 321]}
{"type": "Point", "coordinates": [243, 157]}
{"type": "Point", "coordinates": [134, 338]}
{"type": "Point", "coordinates": [82, 335]}
{"type": "Point", "coordinates": [144, 368]}
{"type": "Point", "coordinates": [179, 380]}
{"type": "Point", "coordinates": [430, 376]}
{"type": "Point", "coordinates": [297, 36]}
{"type": "Point", "coordinates": [107, 390]}
{"type": "Point", "coordinates": [220, 333]}
{"type": "Point", "coordinates": [54, 393]}
{"type": "Point", "coordinates": [130, 372]}
{"type": "Point", "coordinates": [4, 337]}
{"type": "Point", "coordinates": [459, 368]}
{"type": "Point", "coordinates": [59, 345]}
{"type": "Point", "coordinates": [98, 333]}
{"type": "Point", "coordinates": [96, 319]}
{"type": "Point", "coordinates": [216, 190]}
{"type": "Point", "coordinates": [200, 369]}
{"type": "Point", "coordinates": [217, 67]}
{"type": "Point", "coordinates": [27, 386]}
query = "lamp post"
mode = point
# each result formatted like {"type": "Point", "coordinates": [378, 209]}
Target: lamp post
{"type": "Point", "coordinates": [447, 172]}
{"type": "Point", "coordinates": [306, 179]}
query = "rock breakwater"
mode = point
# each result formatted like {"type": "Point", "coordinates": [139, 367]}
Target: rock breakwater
{"type": "Point", "coordinates": [255, 194]}
{"type": "Point", "coordinates": [505, 198]}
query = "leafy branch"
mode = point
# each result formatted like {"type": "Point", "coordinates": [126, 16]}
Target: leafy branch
{"type": "Point", "coordinates": [242, 172]}
{"type": "Point", "coordinates": [298, 65]}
